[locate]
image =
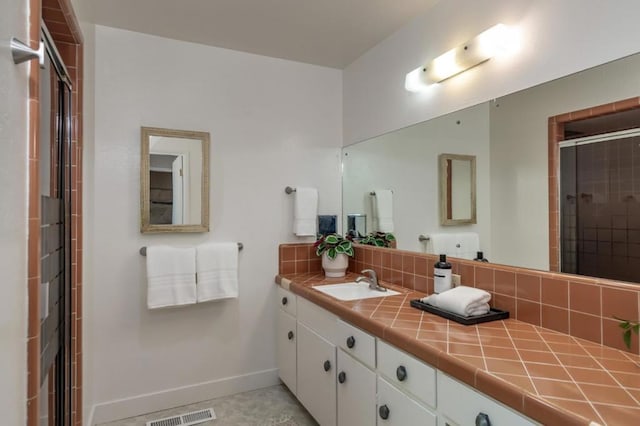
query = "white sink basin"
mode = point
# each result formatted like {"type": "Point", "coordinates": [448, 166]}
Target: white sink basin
{"type": "Point", "coordinates": [353, 291]}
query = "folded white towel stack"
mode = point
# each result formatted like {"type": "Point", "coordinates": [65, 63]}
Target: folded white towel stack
{"type": "Point", "coordinates": [171, 276]}
{"type": "Point", "coordinates": [383, 210]}
{"type": "Point", "coordinates": [305, 212]}
{"type": "Point", "coordinates": [461, 300]}
{"type": "Point", "coordinates": [217, 269]}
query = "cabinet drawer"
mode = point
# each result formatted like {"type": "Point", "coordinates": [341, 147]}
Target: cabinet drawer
{"type": "Point", "coordinates": [460, 404]}
{"type": "Point", "coordinates": [287, 301]}
{"type": "Point", "coordinates": [317, 319]}
{"type": "Point", "coordinates": [396, 408]}
{"type": "Point", "coordinates": [407, 373]}
{"type": "Point", "coordinates": [357, 343]}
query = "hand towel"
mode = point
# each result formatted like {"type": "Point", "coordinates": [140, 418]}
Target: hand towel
{"type": "Point", "coordinates": [461, 300]}
{"type": "Point", "coordinates": [171, 276]}
{"type": "Point", "coordinates": [467, 245]}
{"type": "Point", "coordinates": [383, 210]}
{"type": "Point", "coordinates": [443, 244]}
{"type": "Point", "coordinates": [217, 271]}
{"type": "Point", "coordinates": [305, 212]}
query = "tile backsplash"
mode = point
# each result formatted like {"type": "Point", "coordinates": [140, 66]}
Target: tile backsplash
{"type": "Point", "coordinates": [580, 306]}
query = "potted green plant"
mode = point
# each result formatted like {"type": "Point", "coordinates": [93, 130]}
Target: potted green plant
{"type": "Point", "coordinates": [628, 327]}
{"type": "Point", "coordinates": [379, 239]}
{"type": "Point", "coordinates": [335, 251]}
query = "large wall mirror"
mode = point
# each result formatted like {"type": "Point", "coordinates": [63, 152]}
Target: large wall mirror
{"type": "Point", "coordinates": [508, 137]}
{"type": "Point", "coordinates": [174, 178]}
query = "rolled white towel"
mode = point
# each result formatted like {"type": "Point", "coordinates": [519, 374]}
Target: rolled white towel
{"type": "Point", "coordinates": [461, 300]}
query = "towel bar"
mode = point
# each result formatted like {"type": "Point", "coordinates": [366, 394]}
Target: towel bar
{"type": "Point", "coordinates": [289, 190]}
{"type": "Point", "coordinates": [143, 250]}
{"type": "Point", "coordinates": [423, 238]}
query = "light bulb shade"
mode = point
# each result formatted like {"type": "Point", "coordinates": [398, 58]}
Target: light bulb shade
{"type": "Point", "coordinates": [494, 41]}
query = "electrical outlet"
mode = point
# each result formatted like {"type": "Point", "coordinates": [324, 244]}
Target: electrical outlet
{"type": "Point", "coordinates": [455, 280]}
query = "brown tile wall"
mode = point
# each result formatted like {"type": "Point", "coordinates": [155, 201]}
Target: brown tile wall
{"type": "Point", "coordinates": [65, 30]}
{"type": "Point", "coordinates": [580, 306]}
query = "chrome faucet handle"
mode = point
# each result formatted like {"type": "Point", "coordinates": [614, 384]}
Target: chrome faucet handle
{"type": "Point", "coordinates": [371, 273]}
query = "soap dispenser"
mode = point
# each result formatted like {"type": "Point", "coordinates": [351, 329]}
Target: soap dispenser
{"type": "Point", "coordinates": [442, 275]}
{"type": "Point", "coordinates": [480, 257]}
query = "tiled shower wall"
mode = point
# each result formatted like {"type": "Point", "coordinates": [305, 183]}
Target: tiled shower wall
{"type": "Point", "coordinates": [64, 28]}
{"type": "Point", "coordinates": [580, 306]}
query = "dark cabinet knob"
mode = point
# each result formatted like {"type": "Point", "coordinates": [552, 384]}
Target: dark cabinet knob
{"type": "Point", "coordinates": [401, 373]}
{"type": "Point", "coordinates": [327, 365]}
{"type": "Point", "coordinates": [351, 342]}
{"type": "Point", "coordinates": [482, 419]}
{"type": "Point", "coordinates": [342, 377]}
{"type": "Point", "coordinates": [290, 335]}
{"type": "Point", "coordinates": [384, 412]}
{"type": "Point", "coordinates": [284, 300]}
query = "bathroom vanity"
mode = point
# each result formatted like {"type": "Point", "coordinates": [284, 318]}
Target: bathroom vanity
{"type": "Point", "coordinates": [345, 375]}
{"type": "Point", "coordinates": [379, 361]}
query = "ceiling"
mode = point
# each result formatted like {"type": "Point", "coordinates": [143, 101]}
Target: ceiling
{"type": "Point", "coordinates": [330, 33]}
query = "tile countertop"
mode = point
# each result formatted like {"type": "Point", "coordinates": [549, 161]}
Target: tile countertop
{"type": "Point", "coordinates": [553, 378]}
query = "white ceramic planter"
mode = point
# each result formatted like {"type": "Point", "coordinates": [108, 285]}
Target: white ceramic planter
{"type": "Point", "coordinates": [335, 268]}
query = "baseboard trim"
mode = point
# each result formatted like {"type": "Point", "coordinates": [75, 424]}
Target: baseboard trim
{"type": "Point", "coordinates": [156, 401]}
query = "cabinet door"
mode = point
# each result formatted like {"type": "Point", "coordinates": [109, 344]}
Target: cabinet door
{"type": "Point", "coordinates": [356, 392]}
{"type": "Point", "coordinates": [287, 349]}
{"type": "Point", "coordinates": [317, 376]}
{"type": "Point", "coordinates": [396, 408]}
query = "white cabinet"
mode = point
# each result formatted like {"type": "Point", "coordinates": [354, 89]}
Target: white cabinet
{"type": "Point", "coordinates": [316, 384]}
{"type": "Point", "coordinates": [286, 339]}
{"type": "Point", "coordinates": [395, 408]}
{"type": "Point", "coordinates": [286, 330]}
{"type": "Point", "coordinates": [356, 392]}
{"type": "Point", "coordinates": [461, 405]}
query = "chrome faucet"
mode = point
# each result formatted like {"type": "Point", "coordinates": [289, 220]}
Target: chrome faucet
{"type": "Point", "coordinates": [372, 278]}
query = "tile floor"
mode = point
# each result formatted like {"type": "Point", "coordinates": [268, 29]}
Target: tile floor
{"type": "Point", "coordinates": [272, 406]}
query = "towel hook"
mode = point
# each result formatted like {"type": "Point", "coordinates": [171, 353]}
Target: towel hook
{"type": "Point", "coordinates": [423, 238]}
{"type": "Point", "coordinates": [289, 190]}
{"type": "Point", "coordinates": [143, 250]}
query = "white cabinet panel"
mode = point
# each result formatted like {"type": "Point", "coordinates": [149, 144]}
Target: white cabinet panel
{"type": "Point", "coordinates": [407, 373]}
{"type": "Point", "coordinates": [287, 301]}
{"type": "Point", "coordinates": [286, 332]}
{"type": "Point", "coordinates": [395, 408]}
{"type": "Point", "coordinates": [460, 404]}
{"type": "Point", "coordinates": [356, 392]}
{"type": "Point", "coordinates": [358, 343]}
{"type": "Point", "coordinates": [317, 319]}
{"type": "Point", "coordinates": [316, 383]}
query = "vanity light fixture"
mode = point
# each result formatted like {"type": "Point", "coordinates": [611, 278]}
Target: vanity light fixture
{"type": "Point", "coordinates": [498, 39]}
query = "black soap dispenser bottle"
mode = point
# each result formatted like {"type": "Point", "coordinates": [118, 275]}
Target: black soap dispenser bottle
{"type": "Point", "coordinates": [480, 257]}
{"type": "Point", "coordinates": [442, 275]}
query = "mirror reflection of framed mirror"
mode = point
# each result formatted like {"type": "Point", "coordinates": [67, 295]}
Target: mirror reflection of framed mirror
{"type": "Point", "coordinates": [174, 181]}
{"type": "Point", "coordinates": [457, 189]}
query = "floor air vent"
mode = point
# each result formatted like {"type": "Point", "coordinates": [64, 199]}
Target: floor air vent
{"type": "Point", "coordinates": [187, 419]}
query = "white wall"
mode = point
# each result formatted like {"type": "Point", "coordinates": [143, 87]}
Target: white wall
{"type": "Point", "coordinates": [273, 123]}
{"type": "Point", "coordinates": [13, 217]}
{"type": "Point", "coordinates": [407, 162]}
{"type": "Point", "coordinates": [558, 38]}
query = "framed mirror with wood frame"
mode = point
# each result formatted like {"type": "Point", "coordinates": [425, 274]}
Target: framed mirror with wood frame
{"type": "Point", "coordinates": [174, 180]}
{"type": "Point", "coordinates": [457, 189]}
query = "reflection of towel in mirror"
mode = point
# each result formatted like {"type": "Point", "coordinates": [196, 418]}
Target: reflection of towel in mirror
{"type": "Point", "coordinates": [461, 300]}
{"type": "Point", "coordinates": [171, 276]}
{"type": "Point", "coordinates": [305, 211]}
{"type": "Point", "coordinates": [217, 268]}
{"type": "Point", "coordinates": [383, 210]}
{"type": "Point", "coordinates": [463, 245]}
